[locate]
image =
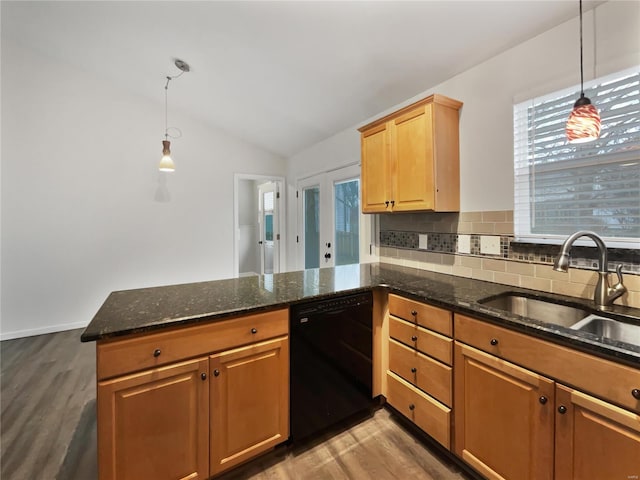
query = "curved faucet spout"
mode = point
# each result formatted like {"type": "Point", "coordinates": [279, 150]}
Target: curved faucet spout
{"type": "Point", "coordinates": [604, 295]}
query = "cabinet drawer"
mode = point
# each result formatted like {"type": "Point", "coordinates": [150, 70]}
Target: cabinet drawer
{"type": "Point", "coordinates": [603, 378]}
{"type": "Point", "coordinates": [142, 351]}
{"type": "Point", "coordinates": [422, 314]}
{"type": "Point", "coordinates": [429, 375]}
{"type": "Point", "coordinates": [425, 341]}
{"type": "Point", "coordinates": [427, 413]}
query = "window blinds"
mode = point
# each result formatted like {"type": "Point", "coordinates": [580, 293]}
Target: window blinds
{"type": "Point", "coordinates": [561, 188]}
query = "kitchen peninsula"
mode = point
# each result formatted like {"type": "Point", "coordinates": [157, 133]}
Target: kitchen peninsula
{"type": "Point", "coordinates": [175, 341]}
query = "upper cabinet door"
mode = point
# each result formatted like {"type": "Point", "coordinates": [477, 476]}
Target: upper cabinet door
{"type": "Point", "coordinates": [375, 173]}
{"type": "Point", "coordinates": [413, 176]}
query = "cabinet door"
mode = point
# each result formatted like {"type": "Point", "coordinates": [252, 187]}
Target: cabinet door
{"type": "Point", "coordinates": [503, 417]}
{"type": "Point", "coordinates": [594, 439]}
{"type": "Point", "coordinates": [412, 159]}
{"type": "Point", "coordinates": [375, 171]}
{"type": "Point", "coordinates": [249, 402]}
{"type": "Point", "coordinates": [155, 424]}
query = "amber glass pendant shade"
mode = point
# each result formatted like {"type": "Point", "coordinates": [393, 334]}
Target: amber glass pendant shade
{"type": "Point", "coordinates": [166, 164]}
{"type": "Point", "coordinates": [583, 124]}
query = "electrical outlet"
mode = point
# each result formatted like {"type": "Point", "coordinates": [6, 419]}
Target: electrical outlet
{"type": "Point", "coordinates": [464, 243]}
{"type": "Point", "coordinates": [422, 241]}
{"type": "Point", "coordinates": [490, 245]}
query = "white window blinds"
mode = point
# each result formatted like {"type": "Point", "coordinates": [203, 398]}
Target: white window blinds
{"type": "Point", "coordinates": [560, 187]}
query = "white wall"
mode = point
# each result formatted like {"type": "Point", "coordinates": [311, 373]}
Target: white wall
{"type": "Point", "coordinates": [85, 210]}
{"type": "Point", "coordinates": [545, 63]}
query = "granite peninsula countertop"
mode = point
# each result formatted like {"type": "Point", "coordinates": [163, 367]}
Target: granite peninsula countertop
{"type": "Point", "coordinates": [148, 309]}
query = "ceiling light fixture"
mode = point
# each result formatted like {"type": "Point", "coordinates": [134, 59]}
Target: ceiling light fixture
{"type": "Point", "coordinates": [583, 124]}
{"type": "Point", "coordinates": [166, 163]}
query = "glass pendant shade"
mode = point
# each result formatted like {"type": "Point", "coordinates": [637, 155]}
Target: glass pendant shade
{"type": "Point", "coordinates": [166, 164]}
{"type": "Point", "coordinates": [583, 124]}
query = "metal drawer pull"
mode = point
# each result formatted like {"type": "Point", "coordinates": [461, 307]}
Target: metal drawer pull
{"type": "Point", "coordinates": [216, 372]}
{"type": "Point", "coordinates": [254, 330]}
{"type": "Point", "coordinates": [156, 352]}
{"type": "Point", "coordinates": [414, 370]}
{"type": "Point", "coordinates": [543, 399]}
{"type": "Point", "coordinates": [494, 341]}
{"type": "Point", "coordinates": [414, 338]}
{"type": "Point", "coordinates": [412, 407]}
{"type": "Point", "coordinates": [562, 409]}
{"type": "Point", "coordinates": [635, 393]}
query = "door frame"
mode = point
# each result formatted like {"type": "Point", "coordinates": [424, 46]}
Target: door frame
{"type": "Point", "coordinates": [281, 205]}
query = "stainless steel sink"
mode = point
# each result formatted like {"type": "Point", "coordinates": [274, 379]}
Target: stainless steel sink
{"type": "Point", "coordinates": [537, 309]}
{"type": "Point", "coordinates": [609, 328]}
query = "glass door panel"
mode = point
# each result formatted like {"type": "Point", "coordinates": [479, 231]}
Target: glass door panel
{"type": "Point", "coordinates": [311, 220]}
{"type": "Point", "coordinates": [347, 221]}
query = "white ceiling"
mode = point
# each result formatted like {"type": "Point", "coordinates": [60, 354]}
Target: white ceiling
{"type": "Point", "coordinates": [281, 75]}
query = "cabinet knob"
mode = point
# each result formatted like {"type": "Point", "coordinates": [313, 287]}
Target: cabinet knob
{"type": "Point", "coordinates": [254, 330]}
{"type": "Point", "coordinates": [412, 407]}
{"type": "Point", "coordinates": [393, 202]}
{"type": "Point", "coordinates": [203, 376]}
{"type": "Point", "coordinates": [543, 399]}
{"type": "Point", "coordinates": [156, 352]}
{"type": "Point", "coordinates": [414, 370]}
{"type": "Point", "coordinates": [386, 203]}
{"type": "Point", "coordinates": [562, 409]}
{"type": "Point", "coordinates": [414, 338]}
{"type": "Point", "coordinates": [635, 393]}
{"type": "Point", "coordinates": [494, 341]}
{"type": "Point", "coordinates": [216, 372]}
{"type": "Point", "coordinates": [414, 313]}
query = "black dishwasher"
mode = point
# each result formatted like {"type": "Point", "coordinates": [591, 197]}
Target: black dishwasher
{"type": "Point", "coordinates": [331, 345]}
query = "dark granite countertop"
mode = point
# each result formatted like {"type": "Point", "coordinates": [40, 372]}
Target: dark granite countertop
{"type": "Point", "coordinates": [148, 309]}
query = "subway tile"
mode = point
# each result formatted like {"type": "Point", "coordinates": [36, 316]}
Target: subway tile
{"type": "Point", "coordinates": [521, 268]}
{"type": "Point", "coordinates": [471, 262]}
{"type": "Point", "coordinates": [480, 274]}
{"type": "Point", "coordinates": [494, 216]}
{"type": "Point", "coordinates": [494, 265]}
{"type": "Point", "coordinates": [470, 217]}
{"type": "Point", "coordinates": [460, 271]}
{"type": "Point", "coordinates": [585, 277]}
{"type": "Point", "coordinates": [503, 228]}
{"type": "Point", "coordinates": [480, 228]}
{"type": "Point", "coordinates": [506, 278]}
{"type": "Point", "coordinates": [542, 284]}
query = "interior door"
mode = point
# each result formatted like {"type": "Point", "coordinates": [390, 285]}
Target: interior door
{"type": "Point", "coordinates": [268, 220]}
{"type": "Point", "coordinates": [329, 218]}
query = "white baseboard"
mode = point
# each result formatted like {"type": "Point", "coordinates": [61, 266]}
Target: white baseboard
{"type": "Point", "coordinates": [41, 331]}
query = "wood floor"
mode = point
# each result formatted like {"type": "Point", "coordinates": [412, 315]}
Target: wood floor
{"type": "Point", "coordinates": [48, 427]}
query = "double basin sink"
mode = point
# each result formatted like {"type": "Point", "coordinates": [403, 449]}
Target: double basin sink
{"type": "Point", "coordinates": [573, 318]}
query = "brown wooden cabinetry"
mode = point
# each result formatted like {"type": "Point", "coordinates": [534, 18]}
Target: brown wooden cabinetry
{"type": "Point", "coordinates": [410, 159]}
{"type": "Point", "coordinates": [419, 372]}
{"type": "Point", "coordinates": [249, 402]}
{"type": "Point", "coordinates": [516, 420]}
{"type": "Point", "coordinates": [170, 407]}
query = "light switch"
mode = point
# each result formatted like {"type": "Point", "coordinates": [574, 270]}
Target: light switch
{"type": "Point", "coordinates": [422, 241]}
{"type": "Point", "coordinates": [464, 243]}
{"type": "Point", "coordinates": [490, 245]}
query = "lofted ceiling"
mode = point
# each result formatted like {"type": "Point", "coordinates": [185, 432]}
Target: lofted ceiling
{"type": "Point", "coordinates": [280, 75]}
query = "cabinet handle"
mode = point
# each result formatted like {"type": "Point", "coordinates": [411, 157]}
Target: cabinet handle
{"type": "Point", "coordinates": [393, 202]}
{"type": "Point", "coordinates": [203, 376]}
{"type": "Point", "coordinates": [386, 203]}
{"type": "Point", "coordinates": [412, 407]}
{"type": "Point", "coordinates": [543, 399]}
{"type": "Point", "coordinates": [216, 372]}
{"type": "Point", "coordinates": [156, 352]}
{"type": "Point", "coordinates": [414, 370]}
{"type": "Point", "coordinates": [562, 409]}
{"type": "Point", "coordinates": [254, 330]}
{"type": "Point", "coordinates": [494, 341]}
{"type": "Point", "coordinates": [635, 393]}
{"type": "Point", "coordinates": [414, 338]}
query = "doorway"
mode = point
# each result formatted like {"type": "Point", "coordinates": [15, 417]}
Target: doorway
{"type": "Point", "coordinates": [258, 223]}
{"type": "Point", "coordinates": [332, 231]}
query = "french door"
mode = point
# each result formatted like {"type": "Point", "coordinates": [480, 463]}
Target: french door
{"type": "Point", "coordinates": [329, 218]}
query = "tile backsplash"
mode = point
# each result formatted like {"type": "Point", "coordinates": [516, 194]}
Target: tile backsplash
{"type": "Point", "coordinates": [481, 245]}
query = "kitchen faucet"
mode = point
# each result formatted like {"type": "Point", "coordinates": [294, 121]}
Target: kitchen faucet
{"type": "Point", "coordinates": [605, 295]}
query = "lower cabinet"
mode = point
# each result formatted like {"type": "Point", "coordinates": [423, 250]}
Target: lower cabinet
{"type": "Point", "coordinates": [249, 402]}
{"type": "Point", "coordinates": [194, 418]}
{"type": "Point", "coordinates": [513, 423]}
{"type": "Point", "coordinates": [504, 417]}
{"type": "Point", "coordinates": [155, 424]}
{"type": "Point", "coordinates": [594, 439]}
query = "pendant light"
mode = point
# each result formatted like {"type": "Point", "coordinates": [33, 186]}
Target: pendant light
{"type": "Point", "coordinates": [166, 163]}
{"type": "Point", "coordinates": [583, 124]}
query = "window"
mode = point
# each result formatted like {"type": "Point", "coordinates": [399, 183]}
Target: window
{"type": "Point", "coordinates": [560, 187]}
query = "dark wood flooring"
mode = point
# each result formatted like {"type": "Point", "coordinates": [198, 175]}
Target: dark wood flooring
{"type": "Point", "coordinates": [48, 427]}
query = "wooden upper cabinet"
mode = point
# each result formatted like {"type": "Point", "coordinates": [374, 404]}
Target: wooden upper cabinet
{"type": "Point", "coordinates": [410, 159]}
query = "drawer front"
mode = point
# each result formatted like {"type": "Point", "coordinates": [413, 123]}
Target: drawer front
{"type": "Point", "coordinates": [422, 314]}
{"type": "Point", "coordinates": [428, 342]}
{"type": "Point", "coordinates": [427, 413]}
{"type": "Point", "coordinates": [142, 351]}
{"type": "Point", "coordinates": [429, 375]}
{"type": "Point", "coordinates": [603, 378]}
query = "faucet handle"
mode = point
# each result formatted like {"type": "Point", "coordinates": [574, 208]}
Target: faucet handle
{"type": "Point", "coordinates": [619, 273]}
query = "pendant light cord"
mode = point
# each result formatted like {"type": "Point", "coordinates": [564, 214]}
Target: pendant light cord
{"type": "Point", "coordinates": [581, 68]}
{"type": "Point", "coordinates": [166, 110]}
